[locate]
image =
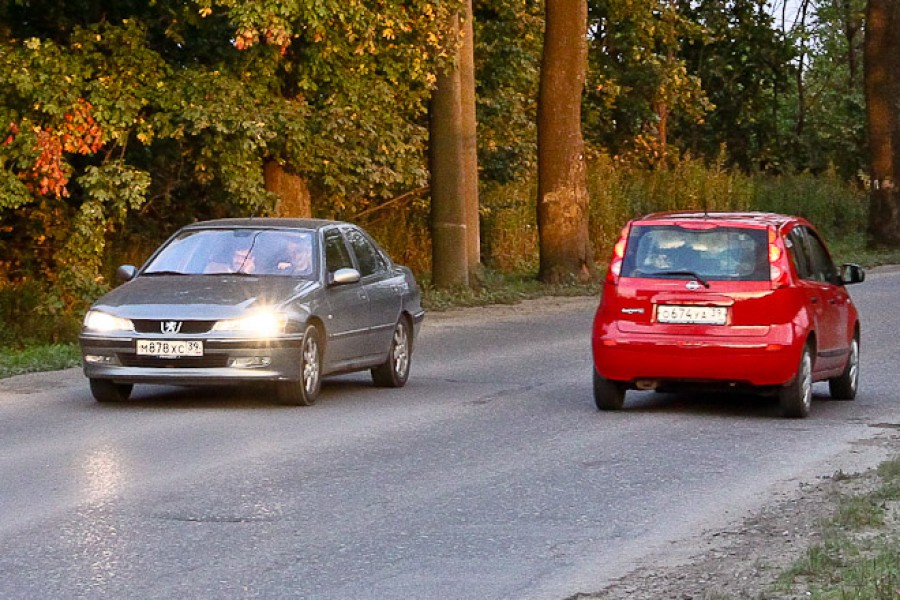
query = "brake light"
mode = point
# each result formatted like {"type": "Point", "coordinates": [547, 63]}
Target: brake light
{"type": "Point", "coordinates": [615, 265]}
{"type": "Point", "coordinates": [778, 265]}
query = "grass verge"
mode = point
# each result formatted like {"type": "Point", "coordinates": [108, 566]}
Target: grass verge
{"type": "Point", "coordinates": [859, 556]}
{"type": "Point", "coordinates": [36, 358]}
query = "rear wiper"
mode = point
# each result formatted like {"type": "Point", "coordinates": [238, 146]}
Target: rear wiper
{"type": "Point", "coordinates": [690, 274]}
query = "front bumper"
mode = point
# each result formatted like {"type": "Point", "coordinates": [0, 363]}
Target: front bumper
{"type": "Point", "coordinates": [223, 360]}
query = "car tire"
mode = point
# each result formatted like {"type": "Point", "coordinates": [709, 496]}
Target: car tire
{"type": "Point", "coordinates": [395, 370]}
{"type": "Point", "coordinates": [796, 397]}
{"type": "Point", "coordinates": [608, 394]}
{"type": "Point", "coordinates": [305, 391]}
{"type": "Point", "coordinates": [844, 386]}
{"type": "Point", "coordinates": [105, 390]}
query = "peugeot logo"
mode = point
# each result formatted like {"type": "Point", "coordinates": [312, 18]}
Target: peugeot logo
{"type": "Point", "coordinates": [170, 326]}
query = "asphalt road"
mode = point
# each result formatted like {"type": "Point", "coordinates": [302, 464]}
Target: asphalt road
{"type": "Point", "coordinates": [490, 475]}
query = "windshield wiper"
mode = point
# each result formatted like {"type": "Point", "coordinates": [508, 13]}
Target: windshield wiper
{"type": "Point", "coordinates": [148, 273]}
{"type": "Point", "coordinates": [231, 273]}
{"type": "Point", "coordinates": [690, 274]}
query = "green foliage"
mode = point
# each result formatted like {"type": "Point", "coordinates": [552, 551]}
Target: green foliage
{"type": "Point", "coordinates": [28, 319]}
{"type": "Point", "coordinates": [745, 67]}
{"type": "Point", "coordinates": [508, 45]}
{"type": "Point", "coordinates": [827, 201]}
{"type": "Point", "coordinates": [119, 120]}
{"type": "Point", "coordinates": [833, 135]}
{"type": "Point", "coordinates": [637, 77]}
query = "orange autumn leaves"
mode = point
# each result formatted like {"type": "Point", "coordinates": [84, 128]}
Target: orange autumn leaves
{"type": "Point", "coordinates": [77, 133]}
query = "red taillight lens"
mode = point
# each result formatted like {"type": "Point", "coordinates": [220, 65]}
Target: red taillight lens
{"type": "Point", "coordinates": [778, 266]}
{"type": "Point", "coordinates": [615, 265]}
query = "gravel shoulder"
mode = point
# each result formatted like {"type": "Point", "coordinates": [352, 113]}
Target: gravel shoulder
{"type": "Point", "coordinates": [744, 561]}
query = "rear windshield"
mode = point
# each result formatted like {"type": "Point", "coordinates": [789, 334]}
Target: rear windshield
{"type": "Point", "coordinates": [716, 254]}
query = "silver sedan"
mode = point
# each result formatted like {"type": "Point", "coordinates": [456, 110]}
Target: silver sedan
{"type": "Point", "coordinates": [284, 301]}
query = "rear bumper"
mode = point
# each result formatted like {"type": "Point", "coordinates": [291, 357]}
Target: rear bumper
{"type": "Point", "coordinates": [768, 360]}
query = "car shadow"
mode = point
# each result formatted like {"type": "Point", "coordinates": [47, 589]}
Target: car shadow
{"type": "Point", "coordinates": [243, 397]}
{"type": "Point", "coordinates": [736, 404]}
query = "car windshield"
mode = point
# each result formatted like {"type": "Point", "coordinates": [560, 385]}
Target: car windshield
{"type": "Point", "coordinates": [719, 253]}
{"type": "Point", "coordinates": [288, 253]}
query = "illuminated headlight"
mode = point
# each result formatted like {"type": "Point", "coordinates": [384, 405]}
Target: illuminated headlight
{"type": "Point", "coordinates": [103, 322]}
{"type": "Point", "coordinates": [262, 324]}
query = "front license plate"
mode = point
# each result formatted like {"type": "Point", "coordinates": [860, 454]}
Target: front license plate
{"type": "Point", "coordinates": [687, 314]}
{"type": "Point", "coordinates": [169, 348]}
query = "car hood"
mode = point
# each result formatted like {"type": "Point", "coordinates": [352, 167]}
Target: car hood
{"type": "Point", "coordinates": [202, 297]}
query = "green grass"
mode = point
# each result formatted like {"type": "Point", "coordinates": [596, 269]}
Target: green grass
{"type": "Point", "coordinates": [47, 357]}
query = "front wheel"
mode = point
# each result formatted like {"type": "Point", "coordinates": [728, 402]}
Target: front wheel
{"type": "Point", "coordinates": [796, 397]}
{"type": "Point", "coordinates": [608, 394]}
{"type": "Point", "coordinates": [395, 370]}
{"type": "Point", "coordinates": [305, 391]}
{"type": "Point", "coordinates": [105, 390]}
{"type": "Point", "coordinates": [844, 387]}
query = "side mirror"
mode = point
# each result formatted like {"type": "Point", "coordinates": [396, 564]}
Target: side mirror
{"type": "Point", "coordinates": [125, 273]}
{"type": "Point", "coordinates": [343, 277]}
{"type": "Point", "coordinates": [851, 273]}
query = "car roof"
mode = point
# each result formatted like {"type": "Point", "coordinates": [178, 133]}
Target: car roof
{"type": "Point", "coordinates": [264, 222]}
{"type": "Point", "coordinates": [761, 219]}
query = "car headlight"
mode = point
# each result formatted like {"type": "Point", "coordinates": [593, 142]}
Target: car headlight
{"type": "Point", "coordinates": [102, 322]}
{"type": "Point", "coordinates": [264, 324]}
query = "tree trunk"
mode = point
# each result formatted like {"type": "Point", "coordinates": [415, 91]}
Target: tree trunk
{"type": "Point", "coordinates": [801, 87]}
{"type": "Point", "coordinates": [882, 84]}
{"type": "Point", "coordinates": [469, 138]}
{"type": "Point", "coordinates": [562, 206]}
{"type": "Point", "coordinates": [851, 31]}
{"type": "Point", "coordinates": [449, 259]}
{"type": "Point", "coordinates": [292, 191]}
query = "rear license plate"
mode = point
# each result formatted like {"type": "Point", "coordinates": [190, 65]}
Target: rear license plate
{"type": "Point", "coordinates": [169, 348]}
{"type": "Point", "coordinates": [689, 314]}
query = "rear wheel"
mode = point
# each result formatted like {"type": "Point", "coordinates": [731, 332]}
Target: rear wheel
{"type": "Point", "coordinates": [796, 397]}
{"type": "Point", "coordinates": [395, 370]}
{"type": "Point", "coordinates": [305, 391]}
{"type": "Point", "coordinates": [844, 387]}
{"type": "Point", "coordinates": [608, 394]}
{"type": "Point", "coordinates": [105, 390]}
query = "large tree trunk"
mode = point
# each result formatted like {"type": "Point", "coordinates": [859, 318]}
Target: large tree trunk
{"type": "Point", "coordinates": [882, 85]}
{"type": "Point", "coordinates": [562, 206]}
{"type": "Point", "coordinates": [292, 191]}
{"type": "Point", "coordinates": [469, 137]}
{"type": "Point", "coordinates": [448, 192]}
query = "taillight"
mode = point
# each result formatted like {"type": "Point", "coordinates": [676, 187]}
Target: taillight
{"type": "Point", "coordinates": [615, 265]}
{"type": "Point", "coordinates": [778, 262]}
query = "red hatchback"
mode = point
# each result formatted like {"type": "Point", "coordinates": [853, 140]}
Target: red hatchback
{"type": "Point", "coordinates": [725, 301]}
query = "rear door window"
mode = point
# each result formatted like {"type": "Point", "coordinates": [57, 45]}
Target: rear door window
{"type": "Point", "coordinates": [799, 253]}
{"type": "Point", "coordinates": [369, 259]}
{"type": "Point", "coordinates": [811, 259]}
{"type": "Point", "coordinates": [715, 254]}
